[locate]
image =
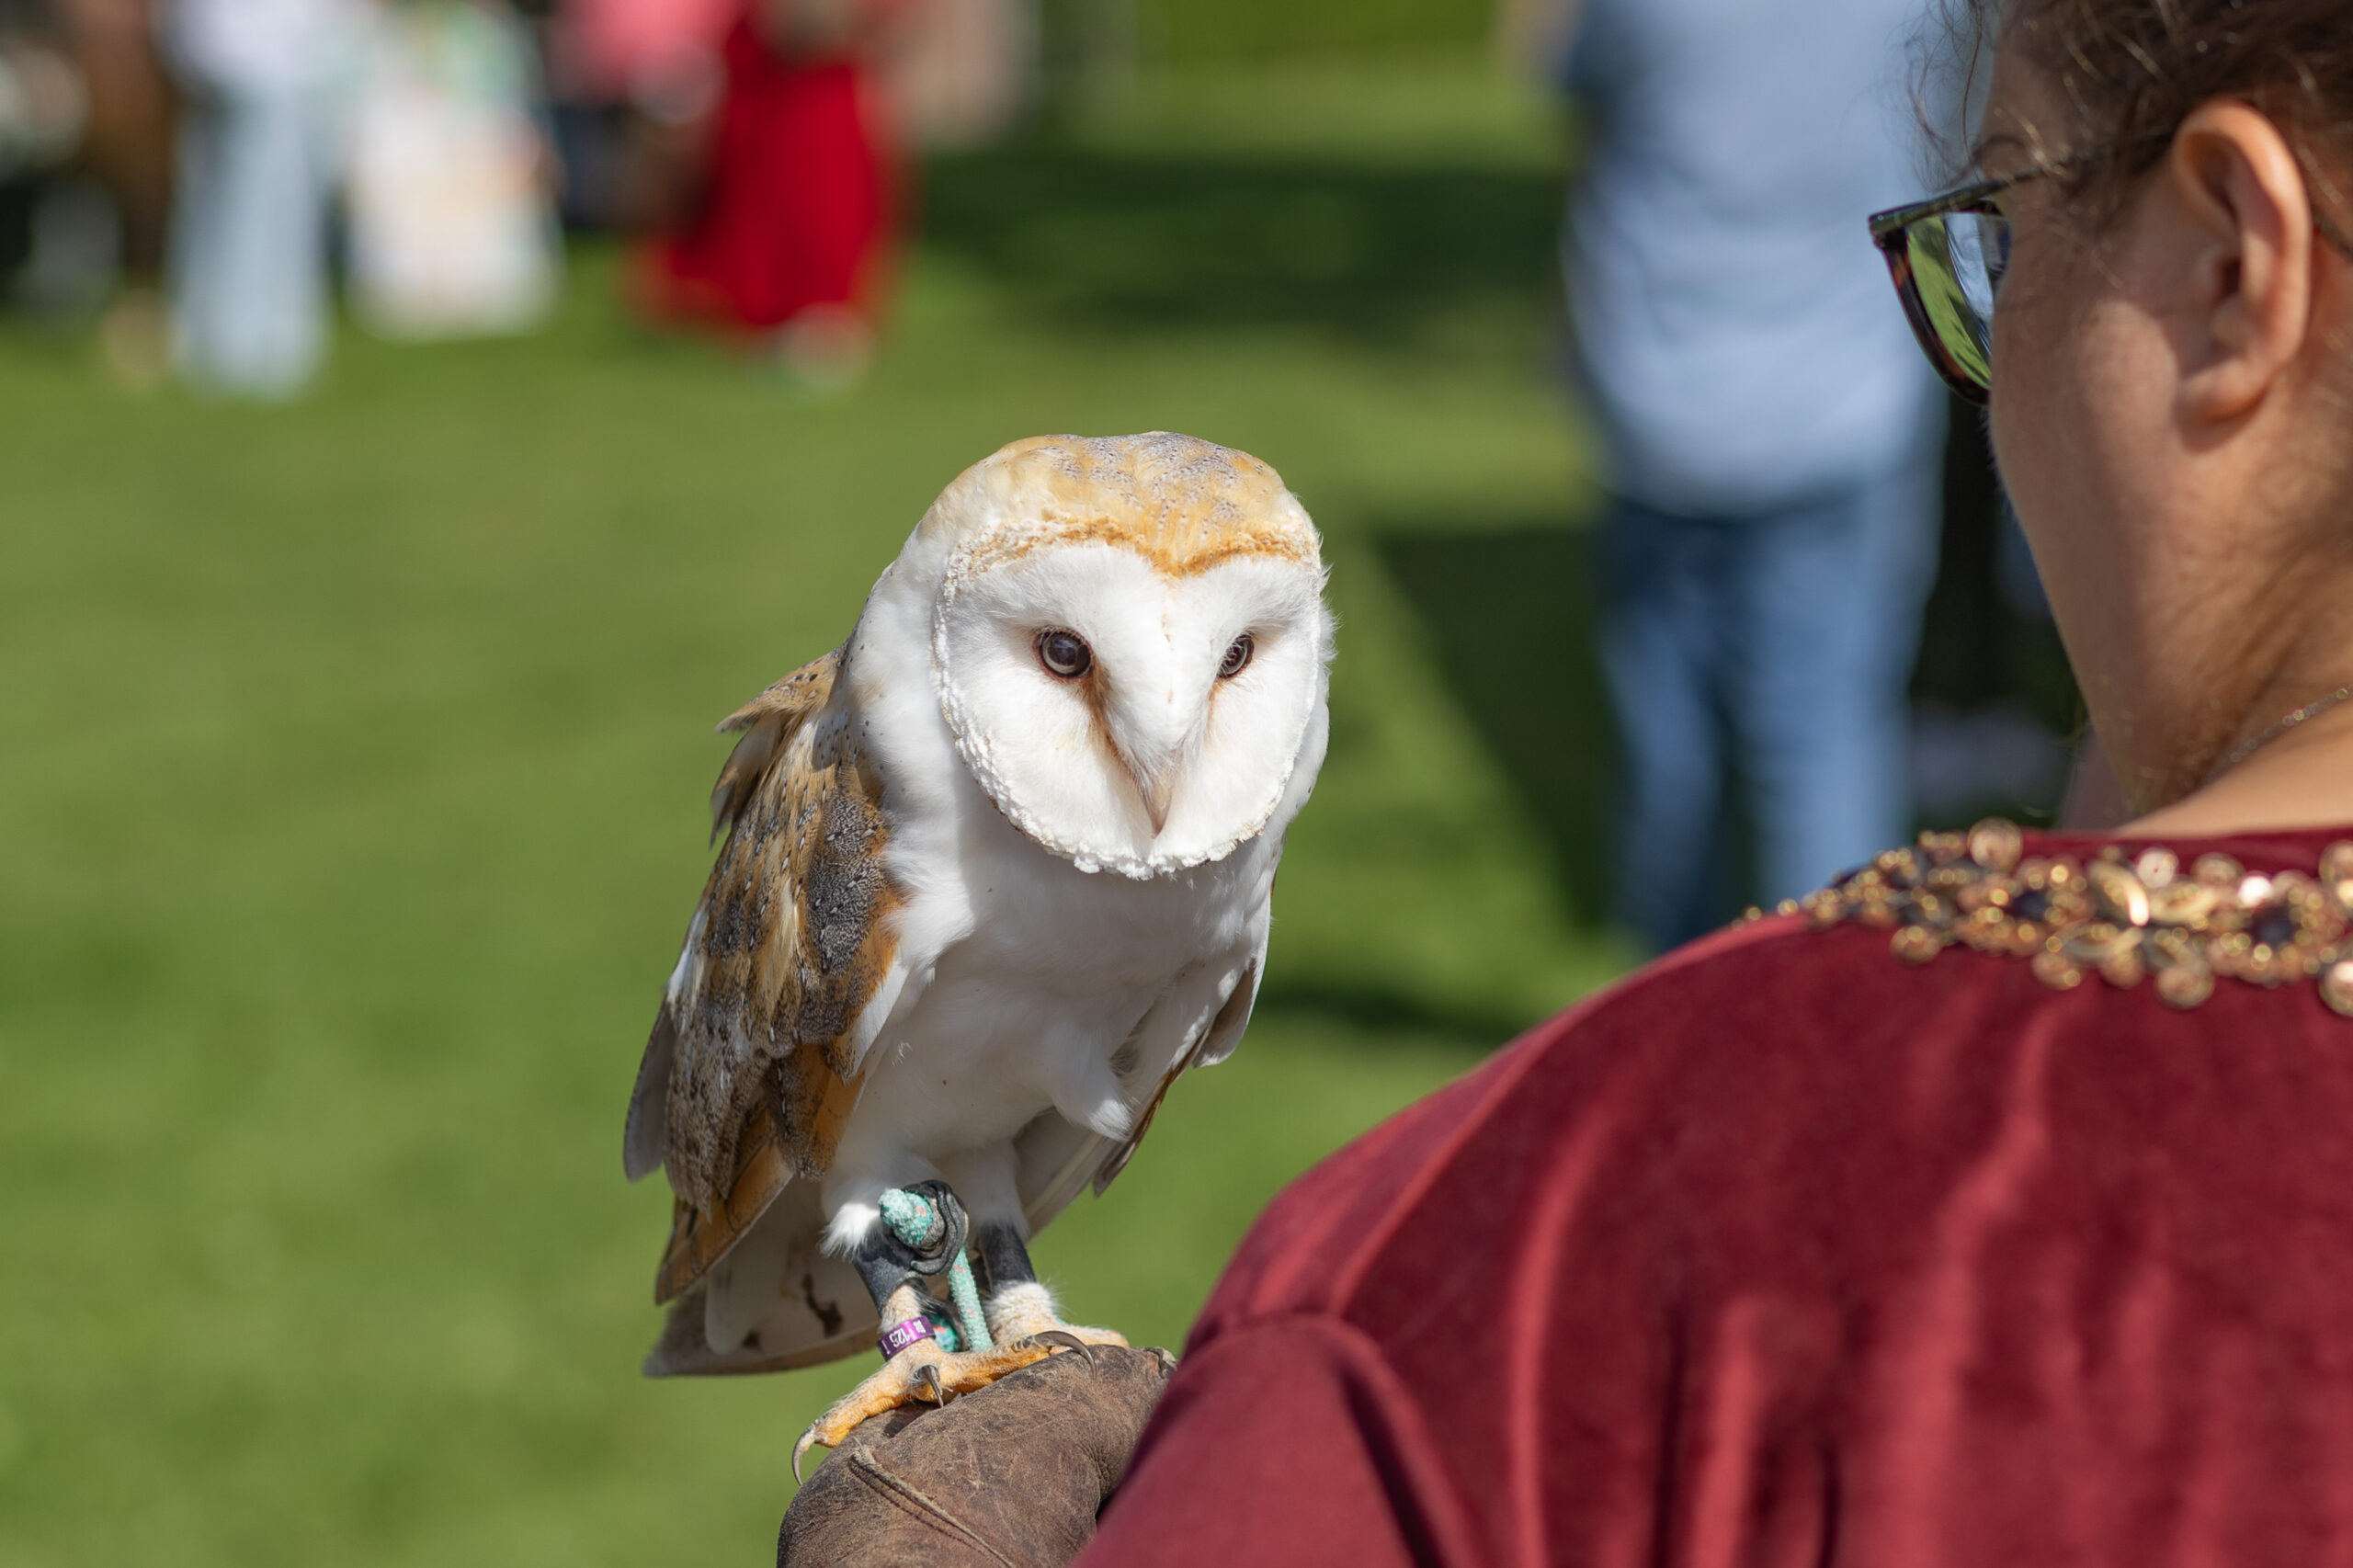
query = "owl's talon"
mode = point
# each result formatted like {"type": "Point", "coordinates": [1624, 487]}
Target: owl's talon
{"type": "Point", "coordinates": [808, 1440]}
{"type": "Point", "coordinates": [921, 1374]}
{"type": "Point", "coordinates": [1063, 1336]}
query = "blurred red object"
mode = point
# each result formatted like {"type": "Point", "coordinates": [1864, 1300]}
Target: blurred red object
{"type": "Point", "coordinates": [796, 209]}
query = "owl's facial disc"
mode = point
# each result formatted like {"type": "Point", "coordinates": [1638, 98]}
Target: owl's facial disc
{"type": "Point", "coordinates": [1126, 719]}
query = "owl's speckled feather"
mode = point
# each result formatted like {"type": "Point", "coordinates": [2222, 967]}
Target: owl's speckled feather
{"type": "Point", "coordinates": [1181, 503]}
{"type": "Point", "coordinates": [788, 945]}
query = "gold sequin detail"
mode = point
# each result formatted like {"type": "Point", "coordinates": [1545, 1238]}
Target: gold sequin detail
{"type": "Point", "coordinates": [2126, 918]}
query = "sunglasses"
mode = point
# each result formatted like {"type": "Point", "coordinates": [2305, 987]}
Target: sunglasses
{"type": "Point", "coordinates": [1947, 254]}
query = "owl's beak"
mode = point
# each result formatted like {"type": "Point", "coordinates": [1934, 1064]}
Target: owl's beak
{"type": "Point", "coordinates": [1152, 767]}
{"type": "Point", "coordinates": [1155, 787]}
{"type": "Point", "coordinates": [1155, 732]}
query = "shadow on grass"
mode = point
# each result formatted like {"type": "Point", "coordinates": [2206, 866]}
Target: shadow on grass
{"type": "Point", "coordinates": [1381, 1012]}
{"type": "Point", "coordinates": [1507, 604]}
{"type": "Point", "coordinates": [1096, 238]}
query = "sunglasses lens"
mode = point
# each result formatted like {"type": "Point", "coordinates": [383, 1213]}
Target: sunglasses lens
{"type": "Point", "coordinates": [1957, 264]}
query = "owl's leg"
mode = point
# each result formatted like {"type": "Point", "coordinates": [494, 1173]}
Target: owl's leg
{"type": "Point", "coordinates": [917, 1368]}
{"type": "Point", "coordinates": [1020, 1309]}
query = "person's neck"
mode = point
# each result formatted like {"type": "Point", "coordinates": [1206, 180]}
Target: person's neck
{"type": "Point", "coordinates": [2302, 777]}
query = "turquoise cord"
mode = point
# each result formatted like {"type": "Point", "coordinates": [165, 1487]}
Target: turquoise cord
{"type": "Point", "coordinates": [917, 1224]}
{"type": "Point", "coordinates": [973, 1325]}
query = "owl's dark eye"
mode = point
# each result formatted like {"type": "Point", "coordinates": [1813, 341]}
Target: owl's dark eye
{"type": "Point", "coordinates": [1064, 653]}
{"type": "Point", "coordinates": [1237, 657]}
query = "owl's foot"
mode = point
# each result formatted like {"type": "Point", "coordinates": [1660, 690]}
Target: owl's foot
{"type": "Point", "coordinates": [1023, 1311]}
{"type": "Point", "coordinates": [924, 1374]}
{"type": "Point", "coordinates": [922, 1235]}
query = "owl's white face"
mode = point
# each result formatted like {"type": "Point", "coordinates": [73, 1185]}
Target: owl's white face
{"type": "Point", "coordinates": [1127, 719]}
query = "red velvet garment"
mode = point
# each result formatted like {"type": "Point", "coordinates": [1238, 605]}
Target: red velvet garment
{"type": "Point", "coordinates": [1785, 1253]}
{"type": "Point", "coordinates": [798, 208]}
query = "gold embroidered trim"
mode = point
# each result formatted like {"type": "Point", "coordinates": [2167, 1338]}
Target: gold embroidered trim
{"type": "Point", "coordinates": [2126, 917]}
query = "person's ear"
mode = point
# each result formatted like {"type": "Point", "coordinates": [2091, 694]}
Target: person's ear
{"type": "Point", "coordinates": [2237, 187]}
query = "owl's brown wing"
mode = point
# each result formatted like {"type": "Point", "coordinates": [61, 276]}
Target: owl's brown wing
{"type": "Point", "coordinates": [750, 1071]}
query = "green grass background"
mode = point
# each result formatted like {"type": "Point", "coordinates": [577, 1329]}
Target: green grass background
{"type": "Point", "coordinates": [352, 768]}
{"type": "Point", "coordinates": [1196, 32]}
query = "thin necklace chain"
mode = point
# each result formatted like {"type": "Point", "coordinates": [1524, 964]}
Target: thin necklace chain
{"type": "Point", "coordinates": [2314, 709]}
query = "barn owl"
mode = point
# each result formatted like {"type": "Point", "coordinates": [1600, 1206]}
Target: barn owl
{"type": "Point", "coordinates": [996, 872]}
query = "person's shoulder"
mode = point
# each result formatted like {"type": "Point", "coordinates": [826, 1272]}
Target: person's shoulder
{"type": "Point", "coordinates": [1777, 988]}
{"type": "Point", "coordinates": [1843, 1045]}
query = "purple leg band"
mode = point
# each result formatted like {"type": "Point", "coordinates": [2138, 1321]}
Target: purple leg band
{"type": "Point", "coordinates": [914, 1331]}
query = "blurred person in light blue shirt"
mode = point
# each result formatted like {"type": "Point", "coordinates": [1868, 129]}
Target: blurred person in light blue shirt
{"type": "Point", "coordinates": [1772, 436]}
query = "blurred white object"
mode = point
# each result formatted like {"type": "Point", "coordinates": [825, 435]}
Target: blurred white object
{"type": "Point", "coordinates": [258, 156]}
{"type": "Point", "coordinates": [452, 229]}
{"type": "Point", "coordinates": [258, 45]}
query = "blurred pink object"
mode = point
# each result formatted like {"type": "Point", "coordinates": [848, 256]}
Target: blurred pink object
{"type": "Point", "coordinates": [647, 50]}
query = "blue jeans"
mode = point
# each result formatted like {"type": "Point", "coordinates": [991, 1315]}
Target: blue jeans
{"type": "Point", "coordinates": [1769, 655]}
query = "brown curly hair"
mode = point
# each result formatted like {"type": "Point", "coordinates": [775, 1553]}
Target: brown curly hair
{"type": "Point", "coordinates": [2134, 70]}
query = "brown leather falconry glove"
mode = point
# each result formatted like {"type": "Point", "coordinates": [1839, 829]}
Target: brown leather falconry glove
{"type": "Point", "coordinates": [1009, 1477]}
